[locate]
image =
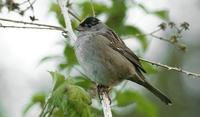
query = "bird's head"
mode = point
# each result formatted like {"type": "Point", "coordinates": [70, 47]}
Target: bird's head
{"type": "Point", "coordinates": [90, 24]}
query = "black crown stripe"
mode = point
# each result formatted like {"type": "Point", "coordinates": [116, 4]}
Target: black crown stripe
{"type": "Point", "coordinates": [90, 21]}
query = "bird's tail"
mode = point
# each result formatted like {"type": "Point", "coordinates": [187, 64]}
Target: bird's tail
{"type": "Point", "coordinates": [155, 91]}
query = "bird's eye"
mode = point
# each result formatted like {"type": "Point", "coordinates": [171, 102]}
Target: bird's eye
{"type": "Point", "coordinates": [89, 25]}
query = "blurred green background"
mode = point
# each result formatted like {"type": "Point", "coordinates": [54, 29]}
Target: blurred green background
{"type": "Point", "coordinates": [22, 80]}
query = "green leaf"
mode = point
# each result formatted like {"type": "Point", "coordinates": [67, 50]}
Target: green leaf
{"type": "Point", "coordinates": [163, 14]}
{"type": "Point", "coordinates": [63, 66]}
{"type": "Point", "coordinates": [133, 31]}
{"type": "Point", "coordinates": [56, 9]}
{"type": "Point", "coordinates": [58, 79]}
{"type": "Point", "coordinates": [150, 69]}
{"type": "Point", "coordinates": [48, 58]}
{"type": "Point", "coordinates": [143, 105]}
{"type": "Point", "coordinates": [99, 8]}
{"type": "Point", "coordinates": [84, 82]}
{"type": "Point", "coordinates": [70, 57]}
{"type": "Point", "coordinates": [72, 99]}
{"type": "Point", "coordinates": [36, 98]}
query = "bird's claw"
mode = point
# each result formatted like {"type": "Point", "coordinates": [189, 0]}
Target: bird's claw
{"type": "Point", "coordinates": [103, 89]}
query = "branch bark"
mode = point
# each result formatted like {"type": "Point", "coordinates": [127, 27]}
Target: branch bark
{"type": "Point", "coordinates": [34, 24]}
{"type": "Point", "coordinates": [171, 68]}
{"type": "Point", "coordinates": [28, 27]}
{"type": "Point", "coordinates": [64, 9]}
{"type": "Point", "coordinates": [106, 105]}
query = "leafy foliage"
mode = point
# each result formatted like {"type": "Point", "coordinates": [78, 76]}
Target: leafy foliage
{"type": "Point", "coordinates": [58, 79]}
{"type": "Point", "coordinates": [71, 98]}
{"type": "Point", "coordinates": [67, 99]}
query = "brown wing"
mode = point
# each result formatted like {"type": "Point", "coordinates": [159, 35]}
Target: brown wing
{"type": "Point", "coordinates": [118, 45]}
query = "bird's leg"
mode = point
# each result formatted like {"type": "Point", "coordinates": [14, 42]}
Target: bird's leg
{"type": "Point", "coordinates": [103, 89]}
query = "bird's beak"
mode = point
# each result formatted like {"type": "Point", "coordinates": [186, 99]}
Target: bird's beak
{"type": "Point", "coordinates": [79, 28]}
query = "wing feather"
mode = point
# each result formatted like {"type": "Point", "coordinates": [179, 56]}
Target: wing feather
{"type": "Point", "coordinates": [118, 45]}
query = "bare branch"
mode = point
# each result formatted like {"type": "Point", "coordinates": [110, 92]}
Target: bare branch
{"type": "Point", "coordinates": [65, 12]}
{"type": "Point", "coordinates": [35, 24]}
{"type": "Point", "coordinates": [30, 5]}
{"type": "Point", "coordinates": [27, 27]}
{"type": "Point", "coordinates": [161, 38]}
{"type": "Point", "coordinates": [153, 32]}
{"type": "Point", "coordinates": [24, 2]}
{"type": "Point", "coordinates": [106, 105]}
{"type": "Point", "coordinates": [171, 68]}
{"type": "Point", "coordinates": [172, 40]}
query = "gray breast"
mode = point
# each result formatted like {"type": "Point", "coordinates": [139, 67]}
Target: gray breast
{"type": "Point", "coordinates": [101, 63]}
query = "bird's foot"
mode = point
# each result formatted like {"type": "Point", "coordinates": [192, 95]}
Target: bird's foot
{"type": "Point", "coordinates": [103, 89]}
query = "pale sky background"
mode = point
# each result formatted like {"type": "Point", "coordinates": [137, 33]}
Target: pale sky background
{"type": "Point", "coordinates": [21, 50]}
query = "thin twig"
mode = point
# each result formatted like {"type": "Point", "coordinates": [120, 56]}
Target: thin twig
{"type": "Point", "coordinates": [30, 6]}
{"type": "Point", "coordinates": [142, 35]}
{"type": "Point", "coordinates": [155, 36]}
{"type": "Point", "coordinates": [161, 38]}
{"type": "Point", "coordinates": [50, 113]}
{"type": "Point", "coordinates": [92, 8]}
{"type": "Point", "coordinates": [75, 16]}
{"type": "Point", "coordinates": [69, 6]}
{"type": "Point", "coordinates": [43, 109]}
{"type": "Point", "coordinates": [171, 68]}
{"type": "Point", "coordinates": [23, 2]}
{"type": "Point", "coordinates": [31, 23]}
{"type": "Point", "coordinates": [171, 41]}
{"type": "Point", "coordinates": [27, 27]}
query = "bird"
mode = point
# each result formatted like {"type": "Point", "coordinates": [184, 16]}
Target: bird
{"type": "Point", "coordinates": [106, 60]}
